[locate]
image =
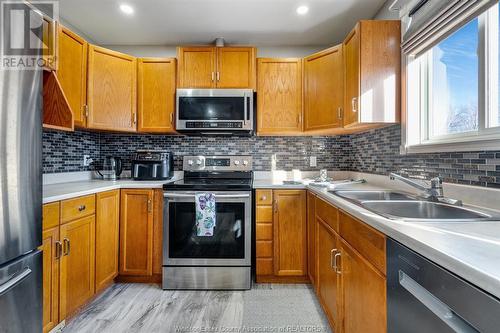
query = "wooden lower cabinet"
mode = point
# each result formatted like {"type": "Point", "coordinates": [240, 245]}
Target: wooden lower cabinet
{"type": "Point", "coordinates": [312, 242]}
{"type": "Point", "coordinates": [77, 264]}
{"type": "Point", "coordinates": [290, 233]}
{"type": "Point", "coordinates": [136, 232]}
{"type": "Point", "coordinates": [364, 293]}
{"type": "Point", "coordinates": [329, 288]}
{"type": "Point", "coordinates": [51, 249]}
{"type": "Point", "coordinates": [107, 237]}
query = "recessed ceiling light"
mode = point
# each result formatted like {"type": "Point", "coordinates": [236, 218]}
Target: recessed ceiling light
{"type": "Point", "coordinates": [302, 10]}
{"type": "Point", "coordinates": [127, 9]}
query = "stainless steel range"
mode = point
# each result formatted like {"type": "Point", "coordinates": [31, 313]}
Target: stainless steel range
{"type": "Point", "coordinates": [222, 260]}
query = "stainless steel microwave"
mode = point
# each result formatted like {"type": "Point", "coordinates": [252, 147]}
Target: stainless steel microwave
{"type": "Point", "coordinates": [213, 111]}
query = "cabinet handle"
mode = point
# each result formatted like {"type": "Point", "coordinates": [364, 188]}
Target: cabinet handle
{"type": "Point", "coordinates": [58, 250]}
{"type": "Point", "coordinates": [275, 206]}
{"type": "Point", "coordinates": [85, 111]}
{"type": "Point", "coordinates": [172, 119]}
{"type": "Point", "coordinates": [354, 103]}
{"type": "Point", "coordinates": [337, 267]}
{"type": "Point", "coordinates": [81, 208]}
{"type": "Point", "coordinates": [299, 119]}
{"type": "Point", "coordinates": [218, 76]}
{"type": "Point", "coordinates": [332, 261]}
{"type": "Point", "coordinates": [213, 76]}
{"type": "Point", "coordinates": [339, 112]}
{"type": "Point", "coordinates": [67, 246]}
{"type": "Point", "coordinates": [150, 206]}
{"type": "Point", "coordinates": [134, 118]}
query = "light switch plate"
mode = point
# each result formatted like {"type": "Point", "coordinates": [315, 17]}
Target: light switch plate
{"type": "Point", "coordinates": [87, 160]}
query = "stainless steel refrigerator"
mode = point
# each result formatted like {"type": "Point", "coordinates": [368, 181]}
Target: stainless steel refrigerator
{"type": "Point", "coordinates": [20, 197]}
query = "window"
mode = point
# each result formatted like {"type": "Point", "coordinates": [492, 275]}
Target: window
{"type": "Point", "coordinates": [453, 90]}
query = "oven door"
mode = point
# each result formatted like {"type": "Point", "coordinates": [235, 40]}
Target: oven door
{"type": "Point", "coordinates": [214, 109]}
{"type": "Point", "coordinates": [229, 246]}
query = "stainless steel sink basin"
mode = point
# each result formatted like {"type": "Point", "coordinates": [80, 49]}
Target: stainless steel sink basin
{"type": "Point", "coordinates": [374, 195]}
{"type": "Point", "coordinates": [424, 211]}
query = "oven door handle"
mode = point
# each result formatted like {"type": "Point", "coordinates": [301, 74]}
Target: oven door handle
{"type": "Point", "coordinates": [180, 195]}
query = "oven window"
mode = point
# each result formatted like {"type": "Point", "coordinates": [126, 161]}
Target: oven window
{"type": "Point", "coordinates": [211, 108]}
{"type": "Point", "coordinates": [228, 241]}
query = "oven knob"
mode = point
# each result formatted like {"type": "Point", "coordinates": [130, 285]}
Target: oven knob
{"type": "Point", "coordinates": [198, 162]}
{"type": "Point", "coordinates": [245, 162]}
{"type": "Point", "coordinates": [236, 162]}
{"type": "Point", "coordinates": [190, 162]}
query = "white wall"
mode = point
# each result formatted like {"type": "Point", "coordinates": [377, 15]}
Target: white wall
{"type": "Point", "coordinates": [262, 52]}
{"type": "Point", "coordinates": [385, 14]}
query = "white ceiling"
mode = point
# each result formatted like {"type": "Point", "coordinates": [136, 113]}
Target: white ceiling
{"type": "Point", "coordinates": [256, 22]}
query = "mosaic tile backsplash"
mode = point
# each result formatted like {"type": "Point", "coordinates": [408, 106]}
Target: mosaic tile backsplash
{"type": "Point", "coordinates": [376, 151]}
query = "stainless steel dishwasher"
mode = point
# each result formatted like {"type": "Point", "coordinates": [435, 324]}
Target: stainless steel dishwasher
{"type": "Point", "coordinates": [423, 297]}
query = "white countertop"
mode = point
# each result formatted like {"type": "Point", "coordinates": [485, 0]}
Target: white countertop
{"type": "Point", "coordinates": [67, 190]}
{"type": "Point", "coordinates": [469, 249]}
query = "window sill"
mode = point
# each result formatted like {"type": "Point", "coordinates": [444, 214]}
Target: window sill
{"type": "Point", "coordinates": [463, 146]}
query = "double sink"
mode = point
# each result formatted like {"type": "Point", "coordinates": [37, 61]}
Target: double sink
{"type": "Point", "coordinates": [406, 207]}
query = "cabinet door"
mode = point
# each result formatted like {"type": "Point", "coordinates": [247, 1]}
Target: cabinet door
{"type": "Point", "coordinates": [235, 67]}
{"type": "Point", "coordinates": [106, 237]}
{"type": "Point", "coordinates": [136, 232]}
{"type": "Point", "coordinates": [196, 67]}
{"type": "Point", "coordinates": [51, 248]}
{"type": "Point", "coordinates": [290, 233]}
{"type": "Point", "coordinates": [328, 279]}
{"type": "Point", "coordinates": [156, 95]}
{"type": "Point", "coordinates": [352, 76]}
{"type": "Point", "coordinates": [112, 87]}
{"type": "Point", "coordinates": [312, 241]}
{"type": "Point", "coordinates": [364, 294]}
{"type": "Point", "coordinates": [77, 264]}
{"type": "Point", "coordinates": [72, 72]}
{"type": "Point", "coordinates": [279, 87]}
{"type": "Point", "coordinates": [324, 89]}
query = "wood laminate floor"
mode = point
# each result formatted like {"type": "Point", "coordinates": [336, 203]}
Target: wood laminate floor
{"type": "Point", "coordinates": [128, 307]}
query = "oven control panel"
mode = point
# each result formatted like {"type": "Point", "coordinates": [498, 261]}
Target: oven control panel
{"type": "Point", "coordinates": [217, 163]}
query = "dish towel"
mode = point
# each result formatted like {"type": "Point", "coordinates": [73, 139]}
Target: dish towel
{"type": "Point", "coordinates": [205, 214]}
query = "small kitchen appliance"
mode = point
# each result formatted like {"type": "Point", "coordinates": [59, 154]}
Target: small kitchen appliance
{"type": "Point", "coordinates": [152, 165]}
{"type": "Point", "coordinates": [111, 168]}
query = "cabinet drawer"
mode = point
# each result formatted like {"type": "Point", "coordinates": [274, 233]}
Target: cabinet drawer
{"type": "Point", "coordinates": [264, 266]}
{"type": "Point", "coordinates": [263, 197]}
{"type": "Point", "coordinates": [264, 214]}
{"type": "Point", "coordinates": [50, 215]}
{"type": "Point", "coordinates": [264, 231]}
{"type": "Point", "coordinates": [76, 208]}
{"type": "Point", "coordinates": [264, 249]}
{"type": "Point", "coordinates": [327, 213]}
{"type": "Point", "coordinates": [367, 241]}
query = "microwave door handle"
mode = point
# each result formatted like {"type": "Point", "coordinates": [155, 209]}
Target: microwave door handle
{"type": "Point", "coordinates": [245, 116]}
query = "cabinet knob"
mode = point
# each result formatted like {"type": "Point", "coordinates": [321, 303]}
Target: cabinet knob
{"type": "Point", "coordinates": [263, 198]}
{"type": "Point", "coordinates": [81, 208]}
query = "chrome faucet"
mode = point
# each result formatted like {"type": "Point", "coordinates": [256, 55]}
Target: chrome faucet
{"type": "Point", "coordinates": [434, 192]}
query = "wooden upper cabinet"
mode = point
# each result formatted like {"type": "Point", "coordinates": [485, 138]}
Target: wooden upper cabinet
{"type": "Point", "coordinates": [107, 237]}
{"type": "Point", "coordinates": [156, 95]}
{"type": "Point", "coordinates": [290, 253]}
{"type": "Point", "coordinates": [235, 67]}
{"type": "Point", "coordinates": [136, 232]}
{"type": "Point", "coordinates": [323, 90]}
{"type": "Point", "coordinates": [72, 72]}
{"type": "Point", "coordinates": [364, 294]}
{"type": "Point", "coordinates": [196, 67]}
{"type": "Point", "coordinates": [112, 87]}
{"type": "Point", "coordinates": [216, 67]}
{"type": "Point", "coordinates": [372, 56]}
{"type": "Point", "coordinates": [279, 102]}
{"type": "Point", "coordinates": [49, 40]}
{"type": "Point", "coordinates": [77, 264]}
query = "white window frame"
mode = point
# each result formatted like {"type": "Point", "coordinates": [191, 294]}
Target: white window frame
{"type": "Point", "coordinates": [486, 137]}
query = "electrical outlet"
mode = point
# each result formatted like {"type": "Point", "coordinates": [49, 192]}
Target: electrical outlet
{"type": "Point", "coordinates": [87, 160]}
{"type": "Point", "coordinates": [312, 161]}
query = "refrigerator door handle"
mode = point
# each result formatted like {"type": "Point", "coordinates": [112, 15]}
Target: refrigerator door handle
{"type": "Point", "coordinates": [4, 288]}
